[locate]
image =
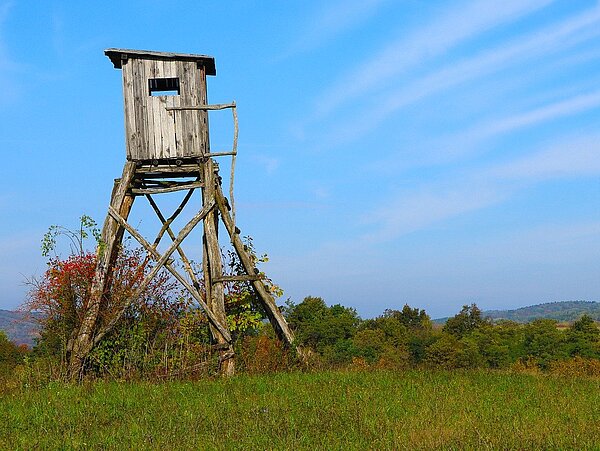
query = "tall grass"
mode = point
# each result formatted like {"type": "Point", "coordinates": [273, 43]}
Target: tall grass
{"type": "Point", "coordinates": [329, 410]}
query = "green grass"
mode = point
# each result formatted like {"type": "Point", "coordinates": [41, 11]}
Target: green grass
{"type": "Point", "coordinates": [331, 410]}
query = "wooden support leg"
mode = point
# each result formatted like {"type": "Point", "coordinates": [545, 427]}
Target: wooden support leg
{"type": "Point", "coordinates": [213, 269]}
{"type": "Point", "coordinates": [82, 342]}
{"type": "Point", "coordinates": [275, 316]}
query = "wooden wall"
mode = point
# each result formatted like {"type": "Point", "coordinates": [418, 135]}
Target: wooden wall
{"type": "Point", "coordinates": [151, 131]}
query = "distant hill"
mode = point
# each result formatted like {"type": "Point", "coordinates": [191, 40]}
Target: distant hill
{"type": "Point", "coordinates": [560, 311]}
{"type": "Point", "coordinates": [563, 311]}
{"type": "Point", "coordinates": [19, 328]}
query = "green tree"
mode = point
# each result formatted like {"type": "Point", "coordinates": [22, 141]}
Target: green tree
{"type": "Point", "coordinates": [10, 353]}
{"type": "Point", "coordinates": [321, 327]}
{"type": "Point", "coordinates": [466, 321]}
{"type": "Point", "coordinates": [411, 318]}
{"type": "Point", "coordinates": [583, 338]}
{"type": "Point", "coordinates": [543, 341]}
{"type": "Point", "coordinates": [444, 352]}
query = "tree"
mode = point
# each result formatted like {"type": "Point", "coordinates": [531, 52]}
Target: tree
{"type": "Point", "coordinates": [543, 341]}
{"type": "Point", "coordinates": [466, 321]}
{"type": "Point", "coordinates": [583, 338]}
{"type": "Point", "coordinates": [411, 318]}
{"type": "Point", "coordinates": [10, 353]}
{"type": "Point", "coordinates": [61, 295]}
{"type": "Point", "coordinates": [321, 327]}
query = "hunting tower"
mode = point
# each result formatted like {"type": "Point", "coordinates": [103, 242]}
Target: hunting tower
{"type": "Point", "coordinates": [168, 150]}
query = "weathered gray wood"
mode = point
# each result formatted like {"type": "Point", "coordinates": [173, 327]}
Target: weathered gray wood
{"type": "Point", "coordinates": [216, 106]}
{"type": "Point", "coordinates": [117, 55]}
{"type": "Point", "coordinates": [161, 260]}
{"type": "Point", "coordinates": [166, 227]}
{"type": "Point", "coordinates": [241, 278]}
{"type": "Point", "coordinates": [155, 126]}
{"type": "Point", "coordinates": [81, 344]}
{"type": "Point", "coordinates": [140, 107]}
{"type": "Point", "coordinates": [183, 169]}
{"type": "Point", "coordinates": [216, 301]}
{"type": "Point", "coordinates": [131, 130]}
{"type": "Point", "coordinates": [220, 154]}
{"type": "Point", "coordinates": [170, 189]}
{"type": "Point", "coordinates": [277, 320]}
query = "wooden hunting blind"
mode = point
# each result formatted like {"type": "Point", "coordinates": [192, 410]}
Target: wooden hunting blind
{"type": "Point", "coordinates": [153, 82]}
{"type": "Point", "coordinates": [168, 150]}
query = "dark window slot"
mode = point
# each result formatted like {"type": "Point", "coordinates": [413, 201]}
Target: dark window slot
{"type": "Point", "coordinates": [163, 86]}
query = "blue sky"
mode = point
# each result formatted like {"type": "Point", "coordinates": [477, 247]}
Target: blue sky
{"type": "Point", "coordinates": [434, 153]}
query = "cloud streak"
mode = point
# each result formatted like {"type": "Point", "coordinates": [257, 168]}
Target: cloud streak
{"type": "Point", "coordinates": [573, 158]}
{"type": "Point", "coordinates": [552, 39]}
{"type": "Point", "coordinates": [457, 25]}
{"type": "Point", "coordinates": [409, 212]}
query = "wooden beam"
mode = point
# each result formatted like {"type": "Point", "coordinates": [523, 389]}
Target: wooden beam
{"type": "Point", "coordinates": [216, 301]}
{"type": "Point", "coordinates": [240, 278]}
{"type": "Point", "coordinates": [166, 226]}
{"type": "Point", "coordinates": [172, 217]}
{"type": "Point", "coordinates": [162, 261]}
{"type": "Point", "coordinates": [277, 320]}
{"type": "Point", "coordinates": [170, 189]}
{"type": "Point", "coordinates": [218, 106]}
{"type": "Point", "coordinates": [82, 342]}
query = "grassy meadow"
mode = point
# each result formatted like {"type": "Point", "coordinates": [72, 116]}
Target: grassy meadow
{"type": "Point", "coordinates": [328, 410]}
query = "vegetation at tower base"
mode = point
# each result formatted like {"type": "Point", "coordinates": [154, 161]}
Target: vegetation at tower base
{"type": "Point", "coordinates": [164, 335]}
{"type": "Point", "coordinates": [161, 333]}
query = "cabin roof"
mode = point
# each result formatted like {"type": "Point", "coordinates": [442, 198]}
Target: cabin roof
{"type": "Point", "coordinates": [118, 55]}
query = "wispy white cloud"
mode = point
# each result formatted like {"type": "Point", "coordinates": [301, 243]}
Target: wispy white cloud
{"type": "Point", "coordinates": [332, 20]}
{"type": "Point", "coordinates": [413, 211]}
{"type": "Point", "coordinates": [546, 113]}
{"type": "Point", "coordinates": [571, 158]}
{"type": "Point", "coordinates": [465, 141]}
{"type": "Point", "coordinates": [482, 187]}
{"type": "Point", "coordinates": [552, 39]}
{"type": "Point", "coordinates": [456, 25]}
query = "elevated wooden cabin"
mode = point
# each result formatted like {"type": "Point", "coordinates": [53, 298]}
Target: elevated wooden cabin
{"type": "Point", "coordinates": [153, 82]}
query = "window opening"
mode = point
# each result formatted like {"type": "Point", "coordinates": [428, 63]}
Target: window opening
{"type": "Point", "coordinates": [163, 86]}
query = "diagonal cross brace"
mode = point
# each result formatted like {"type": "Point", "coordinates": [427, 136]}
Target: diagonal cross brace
{"type": "Point", "coordinates": [277, 320]}
{"type": "Point", "coordinates": [163, 261]}
{"type": "Point", "coordinates": [166, 226]}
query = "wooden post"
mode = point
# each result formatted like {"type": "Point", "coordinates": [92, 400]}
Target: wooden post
{"type": "Point", "coordinates": [275, 317]}
{"type": "Point", "coordinates": [213, 268]}
{"type": "Point", "coordinates": [82, 342]}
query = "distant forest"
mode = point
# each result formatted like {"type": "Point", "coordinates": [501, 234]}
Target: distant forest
{"type": "Point", "coordinates": [22, 329]}
{"type": "Point", "coordinates": [566, 311]}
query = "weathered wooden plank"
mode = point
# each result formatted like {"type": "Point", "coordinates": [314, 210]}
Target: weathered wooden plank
{"type": "Point", "coordinates": [153, 143]}
{"type": "Point", "coordinates": [203, 119]}
{"type": "Point", "coordinates": [140, 110]}
{"type": "Point", "coordinates": [170, 189]}
{"type": "Point", "coordinates": [82, 342]}
{"type": "Point", "coordinates": [116, 56]}
{"type": "Point", "coordinates": [138, 140]}
{"type": "Point", "coordinates": [277, 320]}
{"type": "Point", "coordinates": [131, 140]}
{"type": "Point", "coordinates": [241, 278]}
{"type": "Point", "coordinates": [216, 106]}
{"type": "Point", "coordinates": [184, 168]}
{"type": "Point", "coordinates": [216, 302]}
{"type": "Point", "coordinates": [193, 131]}
{"type": "Point", "coordinates": [163, 262]}
{"type": "Point", "coordinates": [167, 117]}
